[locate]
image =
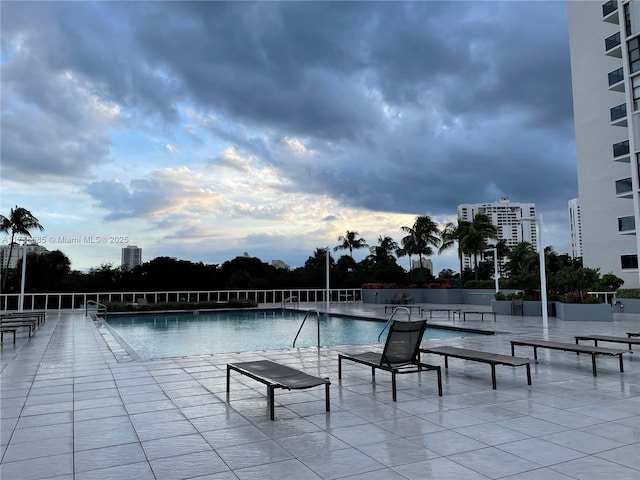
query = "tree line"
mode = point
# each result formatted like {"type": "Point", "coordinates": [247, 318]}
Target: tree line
{"type": "Point", "coordinates": [51, 271]}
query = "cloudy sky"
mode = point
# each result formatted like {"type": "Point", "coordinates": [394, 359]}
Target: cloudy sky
{"type": "Point", "coordinates": [204, 130]}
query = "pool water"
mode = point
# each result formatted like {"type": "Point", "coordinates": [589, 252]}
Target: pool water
{"type": "Point", "coordinates": [201, 333]}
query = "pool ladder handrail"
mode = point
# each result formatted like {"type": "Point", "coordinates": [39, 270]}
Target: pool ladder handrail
{"type": "Point", "coordinates": [302, 325]}
{"type": "Point", "coordinates": [293, 299]}
{"type": "Point", "coordinates": [100, 309]}
{"type": "Point", "coordinates": [395, 310]}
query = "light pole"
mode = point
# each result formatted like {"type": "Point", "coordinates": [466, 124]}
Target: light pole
{"type": "Point", "coordinates": [543, 274]}
{"type": "Point", "coordinates": [24, 274]}
{"type": "Point", "coordinates": [327, 268]}
{"type": "Point", "coordinates": [496, 272]}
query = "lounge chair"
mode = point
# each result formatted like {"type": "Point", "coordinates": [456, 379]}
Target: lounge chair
{"type": "Point", "coordinates": [397, 300]}
{"type": "Point", "coordinates": [492, 359]}
{"type": "Point", "coordinates": [406, 299]}
{"type": "Point", "coordinates": [400, 355]}
{"type": "Point", "coordinates": [570, 347]}
{"type": "Point", "coordinates": [517, 305]}
{"type": "Point", "coordinates": [274, 375]}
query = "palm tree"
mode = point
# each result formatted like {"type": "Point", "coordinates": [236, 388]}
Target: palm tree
{"type": "Point", "coordinates": [350, 241]}
{"type": "Point", "coordinates": [474, 242]}
{"type": "Point", "coordinates": [420, 237]}
{"type": "Point", "coordinates": [20, 221]}
{"type": "Point", "coordinates": [386, 247]}
{"type": "Point", "coordinates": [452, 233]}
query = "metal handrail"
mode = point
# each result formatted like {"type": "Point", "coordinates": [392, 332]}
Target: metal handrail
{"type": "Point", "coordinates": [99, 307]}
{"type": "Point", "coordinates": [395, 310]}
{"type": "Point", "coordinates": [302, 325]}
{"type": "Point", "coordinates": [293, 299]}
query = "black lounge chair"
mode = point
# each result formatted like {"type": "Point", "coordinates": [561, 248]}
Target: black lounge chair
{"type": "Point", "coordinates": [517, 305]}
{"type": "Point", "coordinates": [570, 347]}
{"type": "Point", "coordinates": [492, 359]}
{"type": "Point", "coordinates": [274, 375]}
{"type": "Point", "coordinates": [400, 355]}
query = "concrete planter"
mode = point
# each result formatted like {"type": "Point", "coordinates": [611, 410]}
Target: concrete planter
{"type": "Point", "coordinates": [382, 296]}
{"type": "Point", "coordinates": [598, 312]}
{"type": "Point", "coordinates": [533, 308]}
{"type": "Point", "coordinates": [530, 308]}
{"type": "Point", "coordinates": [627, 305]}
{"type": "Point", "coordinates": [501, 307]}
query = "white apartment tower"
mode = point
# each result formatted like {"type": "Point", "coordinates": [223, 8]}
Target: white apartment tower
{"type": "Point", "coordinates": [16, 253]}
{"type": "Point", "coordinates": [507, 216]}
{"type": "Point", "coordinates": [131, 257]}
{"type": "Point", "coordinates": [575, 227]}
{"type": "Point", "coordinates": [604, 41]}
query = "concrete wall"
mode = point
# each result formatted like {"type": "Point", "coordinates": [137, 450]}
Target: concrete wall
{"type": "Point", "coordinates": [598, 312]}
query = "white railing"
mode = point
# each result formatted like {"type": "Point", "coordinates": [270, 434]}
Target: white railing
{"type": "Point", "coordinates": [76, 300]}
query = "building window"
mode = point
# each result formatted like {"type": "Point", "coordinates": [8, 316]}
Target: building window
{"type": "Point", "coordinates": [628, 261]}
{"type": "Point", "coordinates": [635, 84]}
{"type": "Point", "coordinates": [626, 224]}
{"type": "Point", "coordinates": [634, 55]}
{"type": "Point", "coordinates": [627, 20]}
{"type": "Point", "coordinates": [623, 186]}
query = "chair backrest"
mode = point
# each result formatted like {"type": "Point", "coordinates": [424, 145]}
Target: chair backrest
{"type": "Point", "coordinates": [403, 343]}
{"type": "Point", "coordinates": [517, 302]}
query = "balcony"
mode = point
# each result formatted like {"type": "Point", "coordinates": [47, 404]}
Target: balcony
{"type": "Point", "coordinates": [621, 151]}
{"type": "Point", "coordinates": [609, 7]}
{"type": "Point", "coordinates": [624, 188]}
{"type": "Point", "coordinates": [627, 225]}
{"type": "Point", "coordinates": [618, 115]}
{"type": "Point", "coordinates": [616, 80]}
{"type": "Point", "coordinates": [612, 45]}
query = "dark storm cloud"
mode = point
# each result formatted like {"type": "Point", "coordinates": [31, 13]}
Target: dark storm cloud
{"type": "Point", "coordinates": [408, 107]}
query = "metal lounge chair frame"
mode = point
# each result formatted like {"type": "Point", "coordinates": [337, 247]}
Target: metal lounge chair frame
{"type": "Point", "coordinates": [275, 375]}
{"type": "Point", "coordinates": [517, 305]}
{"type": "Point", "coordinates": [401, 354]}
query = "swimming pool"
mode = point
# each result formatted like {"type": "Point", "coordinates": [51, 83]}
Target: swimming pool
{"type": "Point", "coordinates": [201, 333]}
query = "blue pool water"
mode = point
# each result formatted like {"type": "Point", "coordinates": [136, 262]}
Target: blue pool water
{"type": "Point", "coordinates": [171, 335]}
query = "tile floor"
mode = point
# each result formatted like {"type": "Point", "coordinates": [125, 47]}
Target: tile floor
{"type": "Point", "coordinates": [75, 405]}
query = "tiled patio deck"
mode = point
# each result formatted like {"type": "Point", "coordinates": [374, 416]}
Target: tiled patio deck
{"type": "Point", "coordinates": [75, 406]}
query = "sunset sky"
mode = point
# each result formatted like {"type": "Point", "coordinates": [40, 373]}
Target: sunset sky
{"type": "Point", "coordinates": [205, 130]}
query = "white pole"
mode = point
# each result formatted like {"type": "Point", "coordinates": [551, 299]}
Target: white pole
{"type": "Point", "coordinates": [496, 274]}
{"type": "Point", "coordinates": [543, 274]}
{"type": "Point", "coordinates": [24, 273]}
{"type": "Point", "coordinates": [327, 267]}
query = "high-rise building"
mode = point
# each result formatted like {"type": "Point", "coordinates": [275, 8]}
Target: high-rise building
{"type": "Point", "coordinates": [605, 72]}
{"type": "Point", "coordinates": [427, 264]}
{"type": "Point", "coordinates": [507, 217]}
{"type": "Point", "coordinates": [575, 227]}
{"type": "Point", "coordinates": [280, 264]}
{"type": "Point", "coordinates": [17, 253]}
{"type": "Point", "coordinates": [131, 257]}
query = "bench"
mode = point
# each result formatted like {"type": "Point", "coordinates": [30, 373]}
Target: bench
{"type": "Point", "coordinates": [492, 359]}
{"type": "Point", "coordinates": [607, 338]}
{"type": "Point", "coordinates": [8, 329]}
{"type": "Point", "coordinates": [482, 314]}
{"type": "Point", "coordinates": [570, 347]}
{"type": "Point", "coordinates": [449, 311]}
{"type": "Point", "coordinates": [15, 322]}
{"type": "Point", "coordinates": [39, 316]}
{"type": "Point", "coordinates": [275, 375]}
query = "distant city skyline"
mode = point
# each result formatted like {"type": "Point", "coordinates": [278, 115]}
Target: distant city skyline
{"type": "Point", "coordinates": [274, 127]}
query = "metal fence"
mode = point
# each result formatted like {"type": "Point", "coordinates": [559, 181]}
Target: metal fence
{"type": "Point", "coordinates": [68, 300]}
